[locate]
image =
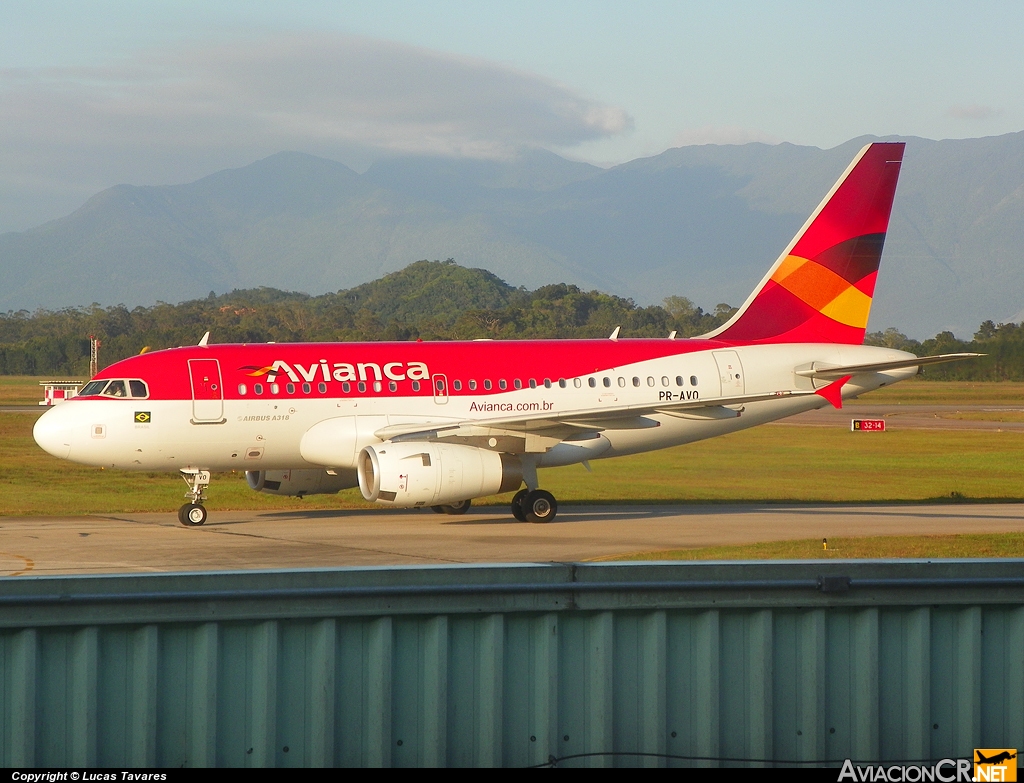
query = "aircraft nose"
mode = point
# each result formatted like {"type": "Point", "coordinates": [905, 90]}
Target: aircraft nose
{"type": "Point", "coordinates": [53, 433]}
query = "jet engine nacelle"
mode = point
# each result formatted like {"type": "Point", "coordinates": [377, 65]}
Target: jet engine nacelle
{"type": "Point", "coordinates": [434, 474]}
{"type": "Point", "coordinates": [300, 482]}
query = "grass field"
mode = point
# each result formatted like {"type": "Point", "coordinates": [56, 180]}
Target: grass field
{"type": "Point", "coordinates": [989, 545]}
{"type": "Point", "coordinates": [773, 464]}
{"type": "Point", "coordinates": [21, 389]}
{"type": "Point", "coordinates": [919, 391]}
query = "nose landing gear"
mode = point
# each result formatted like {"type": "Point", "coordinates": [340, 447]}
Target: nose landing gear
{"type": "Point", "coordinates": [194, 513]}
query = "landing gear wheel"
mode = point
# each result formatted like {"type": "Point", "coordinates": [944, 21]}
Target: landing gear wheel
{"type": "Point", "coordinates": [437, 509]}
{"type": "Point", "coordinates": [460, 507]}
{"type": "Point", "coordinates": [192, 514]}
{"type": "Point", "coordinates": [517, 504]}
{"type": "Point", "coordinates": [540, 506]}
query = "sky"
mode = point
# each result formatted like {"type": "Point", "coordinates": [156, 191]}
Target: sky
{"type": "Point", "coordinates": [110, 91]}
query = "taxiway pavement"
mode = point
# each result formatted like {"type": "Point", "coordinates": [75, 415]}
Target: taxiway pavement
{"type": "Point", "coordinates": [321, 539]}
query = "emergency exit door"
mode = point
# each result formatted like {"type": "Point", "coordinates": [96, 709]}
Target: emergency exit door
{"type": "Point", "coordinates": [730, 372]}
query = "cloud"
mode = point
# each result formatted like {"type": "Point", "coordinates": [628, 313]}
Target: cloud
{"type": "Point", "coordinates": [973, 112]}
{"type": "Point", "coordinates": [174, 114]}
{"type": "Point", "coordinates": [721, 134]}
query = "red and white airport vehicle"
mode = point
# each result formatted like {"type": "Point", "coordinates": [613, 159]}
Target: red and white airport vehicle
{"type": "Point", "coordinates": [440, 423]}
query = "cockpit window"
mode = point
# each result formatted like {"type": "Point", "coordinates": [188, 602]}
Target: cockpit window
{"type": "Point", "coordinates": [115, 389]}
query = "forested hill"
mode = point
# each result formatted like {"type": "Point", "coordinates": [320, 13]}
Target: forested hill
{"type": "Point", "coordinates": [431, 300]}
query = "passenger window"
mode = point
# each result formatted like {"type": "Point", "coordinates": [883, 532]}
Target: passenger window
{"type": "Point", "coordinates": [393, 386]}
{"type": "Point", "coordinates": [592, 382]}
{"type": "Point", "coordinates": [115, 389]}
{"type": "Point", "coordinates": [346, 387]}
{"type": "Point", "coordinates": [679, 380]}
{"type": "Point", "coordinates": [561, 383]}
{"type": "Point", "coordinates": [274, 388]}
{"type": "Point", "coordinates": [472, 385]}
{"type": "Point", "coordinates": [322, 387]}
{"type": "Point", "coordinates": [533, 383]}
{"type": "Point", "coordinates": [502, 384]}
{"type": "Point", "coordinates": [622, 381]}
{"type": "Point", "coordinates": [693, 380]}
{"type": "Point", "coordinates": [636, 381]}
{"type": "Point", "coordinates": [290, 388]}
{"type": "Point", "coordinates": [138, 389]}
{"type": "Point", "coordinates": [577, 383]}
{"type": "Point", "coordinates": [607, 381]}
{"type": "Point", "coordinates": [306, 388]}
{"type": "Point", "coordinates": [664, 380]}
{"type": "Point", "coordinates": [241, 389]}
{"type": "Point", "coordinates": [415, 386]}
{"type": "Point", "coordinates": [518, 384]}
{"type": "Point", "coordinates": [547, 383]}
{"type": "Point", "coordinates": [361, 386]}
{"type": "Point", "coordinates": [457, 385]}
{"type": "Point", "coordinates": [650, 381]}
{"type": "Point", "coordinates": [258, 388]}
{"type": "Point", "coordinates": [487, 385]}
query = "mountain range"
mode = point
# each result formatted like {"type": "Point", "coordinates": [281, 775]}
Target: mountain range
{"type": "Point", "coordinates": [704, 222]}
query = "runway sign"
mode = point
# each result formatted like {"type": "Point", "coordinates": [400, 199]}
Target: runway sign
{"type": "Point", "coordinates": [867, 425]}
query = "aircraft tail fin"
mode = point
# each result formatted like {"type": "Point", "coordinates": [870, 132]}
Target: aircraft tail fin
{"type": "Point", "coordinates": [820, 288]}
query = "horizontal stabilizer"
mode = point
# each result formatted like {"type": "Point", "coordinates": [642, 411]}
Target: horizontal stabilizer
{"type": "Point", "coordinates": [834, 392]}
{"type": "Point", "coordinates": [859, 369]}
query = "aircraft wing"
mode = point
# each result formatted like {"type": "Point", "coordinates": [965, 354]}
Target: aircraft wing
{"type": "Point", "coordinates": [611, 417]}
{"type": "Point", "coordinates": [857, 369]}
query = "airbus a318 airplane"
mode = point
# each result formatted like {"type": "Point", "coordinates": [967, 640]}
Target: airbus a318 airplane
{"type": "Point", "coordinates": [440, 423]}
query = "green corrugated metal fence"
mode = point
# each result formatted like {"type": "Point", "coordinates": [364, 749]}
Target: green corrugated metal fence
{"type": "Point", "coordinates": [515, 665]}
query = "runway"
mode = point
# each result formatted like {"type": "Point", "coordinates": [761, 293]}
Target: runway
{"type": "Point", "coordinates": [322, 539]}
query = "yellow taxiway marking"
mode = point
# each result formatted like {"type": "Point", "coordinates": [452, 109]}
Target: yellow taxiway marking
{"type": "Point", "coordinates": [28, 565]}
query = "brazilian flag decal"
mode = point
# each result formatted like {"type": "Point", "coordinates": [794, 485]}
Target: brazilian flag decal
{"type": "Point", "coordinates": [142, 417]}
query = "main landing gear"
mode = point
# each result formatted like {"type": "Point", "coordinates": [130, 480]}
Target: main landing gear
{"type": "Point", "coordinates": [194, 513]}
{"type": "Point", "coordinates": [460, 507]}
{"type": "Point", "coordinates": [537, 505]}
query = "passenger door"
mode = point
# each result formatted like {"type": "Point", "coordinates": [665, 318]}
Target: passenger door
{"type": "Point", "coordinates": [207, 391]}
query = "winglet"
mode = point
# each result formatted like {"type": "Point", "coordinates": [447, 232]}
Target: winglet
{"type": "Point", "coordinates": [615, 334]}
{"type": "Point", "coordinates": [204, 340]}
{"type": "Point", "coordinates": [834, 392]}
